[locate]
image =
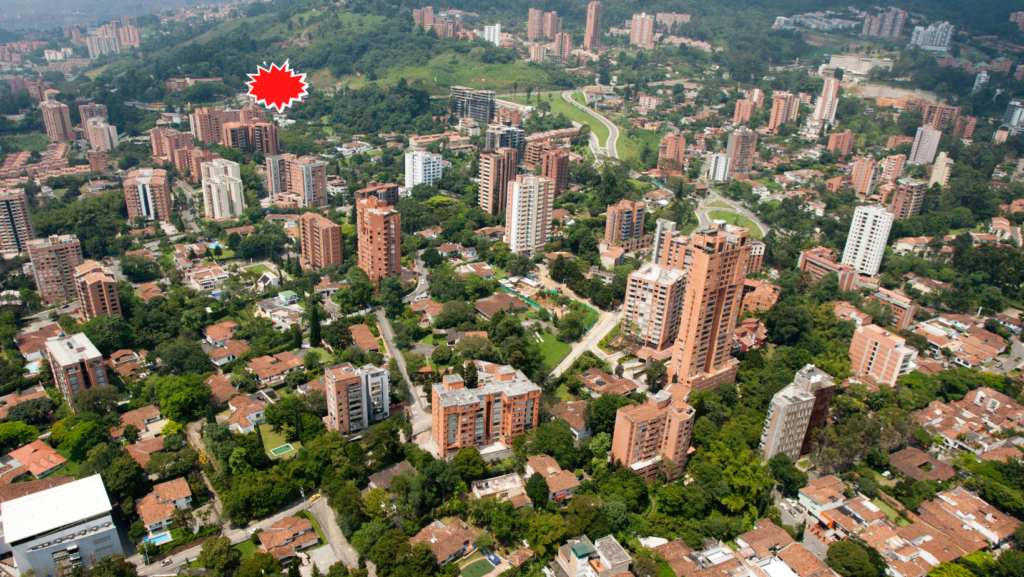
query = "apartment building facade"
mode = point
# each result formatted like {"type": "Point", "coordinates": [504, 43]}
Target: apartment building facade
{"type": "Point", "coordinates": [624, 225]}
{"type": "Point", "coordinates": [554, 164]}
{"type": "Point", "coordinates": [54, 260]}
{"type": "Point", "coordinates": [785, 109]}
{"type": "Point", "coordinates": [76, 364]}
{"type": "Point", "coordinates": [421, 167]}
{"type": "Point", "coordinates": [321, 241]}
{"type": "Point", "coordinates": [57, 120]}
{"type": "Point", "coordinates": [883, 356]}
{"type": "Point", "coordinates": [926, 143]}
{"type": "Point", "coordinates": [528, 214]}
{"type": "Point", "coordinates": [379, 230]}
{"type": "Point", "coordinates": [865, 171]}
{"type": "Point", "coordinates": [592, 33]}
{"type": "Point", "coordinates": [646, 434]}
{"type": "Point", "coordinates": [15, 223]}
{"type": "Point", "coordinates": [786, 423]}
{"type": "Point", "coordinates": [299, 182]}
{"type": "Point", "coordinates": [223, 193]}
{"type": "Point", "coordinates": [909, 198]}
{"type": "Point", "coordinates": [821, 261]}
{"type": "Point", "coordinates": [642, 31]}
{"type": "Point", "coordinates": [652, 309]}
{"type": "Point", "coordinates": [497, 169]}
{"type": "Point", "coordinates": [475, 104]}
{"type": "Point", "coordinates": [97, 291]}
{"type": "Point", "coordinates": [841, 143]}
{"type": "Point", "coordinates": [504, 406]}
{"type": "Point", "coordinates": [147, 192]}
{"type": "Point", "coordinates": [101, 135]}
{"type": "Point", "coordinates": [672, 152]}
{"type": "Point", "coordinates": [357, 398]}
{"type": "Point", "coordinates": [867, 239]}
{"type": "Point", "coordinates": [742, 149]}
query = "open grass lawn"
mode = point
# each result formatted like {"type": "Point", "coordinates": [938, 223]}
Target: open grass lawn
{"type": "Point", "coordinates": [890, 513]}
{"type": "Point", "coordinates": [553, 349]}
{"type": "Point", "coordinates": [477, 568]}
{"type": "Point", "coordinates": [427, 340]}
{"type": "Point", "coordinates": [25, 142]}
{"type": "Point", "coordinates": [71, 468]}
{"type": "Point", "coordinates": [559, 105]}
{"type": "Point", "coordinates": [272, 440]}
{"type": "Point", "coordinates": [719, 204]}
{"type": "Point", "coordinates": [629, 145]}
{"type": "Point", "coordinates": [736, 219]}
{"type": "Point", "coordinates": [245, 549]}
{"type": "Point", "coordinates": [258, 269]}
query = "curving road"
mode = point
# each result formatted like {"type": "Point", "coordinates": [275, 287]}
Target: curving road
{"type": "Point", "coordinates": [610, 148]}
{"type": "Point", "coordinates": [704, 220]}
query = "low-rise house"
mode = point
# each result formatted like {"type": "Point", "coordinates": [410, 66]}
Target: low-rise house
{"type": "Point", "coordinates": [229, 352]}
{"type": "Point", "coordinates": [157, 508]}
{"type": "Point", "coordinates": [148, 291]}
{"type": "Point", "coordinates": [37, 458]}
{"type": "Point", "coordinates": [452, 338]}
{"type": "Point", "coordinates": [483, 270]}
{"type": "Point", "coordinates": [382, 479]}
{"type": "Point", "coordinates": [326, 288]}
{"type": "Point", "coordinates": [491, 232]}
{"type": "Point", "coordinates": [968, 520]}
{"type": "Point", "coordinates": [920, 466]}
{"type": "Point", "coordinates": [429, 308]}
{"type": "Point", "coordinates": [800, 559]}
{"type": "Point", "coordinates": [598, 382]}
{"type": "Point", "coordinates": [821, 495]}
{"type": "Point", "coordinates": [142, 451]}
{"type": "Point", "coordinates": [219, 334]}
{"type": "Point", "coordinates": [612, 256]}
{"type": "Point", "coordinates": [751, 334]}
{"type": "Point", "coordinates": [141, 419]}
{"type": "Point", "coordinates": [33, 344]}
{"type": "Point", "coordinates": [14, 399]}
{"type": "Point", "coordinates": [283, 311]}
{"type": "Point", "coordinates": [267, 280]}
{"type": "Point", "coordinates": [288, 536]}
{"type": "Point", "coordinates": [509, 487]}
{"type": "Point", "coordinates": [560, 483]}
{"type": "Point", "coordinates": [499, 302]}
{"type": "Point", "coordinates": [579, 556]}
{"type": "Point", "coordinates": [363, 338]}
{"type": "Point", "coordinates": [246, 414]}
{"type": "Point", "coordinates": [127, 363]}
{"type": "Point", "coordinates": [430, 233]}
{"type": "Point", "coordinates": [765, 540]}
{"type": "Point", "coordinates": [446, 542]}
{"type": "Point", "coordinates": [572, 412]}
{"type": "Point", "coordinates": [220, 389]}
{"type": "Point", "coordinates": [270, 370]}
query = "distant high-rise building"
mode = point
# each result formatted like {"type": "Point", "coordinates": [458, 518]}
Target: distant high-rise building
{"type": "Point", "coordinates": [421, 167]}
{"type": "Point", "coordinates": [716, 166]}
{"type": "Point", "coordinates": [356, 398]}
{"type": "Point", "coordinates": [881, 355]}
{"type": "Point", "coordinates": [841, 143]}
{"type": "Point", "coordinates": [297, 181]}
{"type": "Point", "coordinates": [658, 429]}
{"type": "Point", "coordinates": [100, 45]}
{"type": "Point", "coordinates": [592, 36]}
{"type": "Point", "coordinates": [57, 120]}
{"type": "Point", "coordinates": [97, 291]}
{"type": "Point", "coordinates": [321, 241]}
{"type": "Point", "coordinates": [867, 239]}
{"type": "Point", "coordinates": [92, 110]}
{"type": "Point", "coordinates": [15, 222]}
{"type": "Point", "coordinates": [624, 225]}
{"type": "Point", "coordinates": [250, 136]}
{"type": "Point", "coordinates": [935, 37]}
{"type": "Point", "coordinates": [965, 126]}
{"type": "Point", "coordinates": [379, 230]}
{"type": "Point", "coordinates": [909, 198]}
{"type": "Point", "coordinates": [535, 25]}
{"type": "Point", "coordinates": [423, 17]}
{"type": "Point", "coordinates": [492, 34]}
{"type": "Point", "coordinates": [563, 47]}
{"type": "Point", "coordinates": [939, 115]}
{"type": "Point", "coordinates": [926, 143]}
{"type": "Point", "coordinates": [385, 191]}
{"type": "Point", "coordinates": [555, 165]}
{"type": "Point", "coordinates": [786, 423]}
{"type": "Point", "coordinates": [475, 104]}
{"type": "Point", "coordinates": [505, 137]}
{"type": "Point", "coordinates": [642, 32]}
{"type": "Point", "coordinates": [497, 169]}
{"type": "Point", "coordinates": [980, 81]}
{"type": "Point", "coordinates": [892, 166]}
{"type": "Point", "coordinates": [742, 149]}
{"type": "Point", "coordinates": [825, 108]}
{"type": "Point", "coordinates": [528, 214]}
{"type": "Point", "coordinates": [223, 194]}
{"type": "Point", "coordinates": [785, 109]}
{"type": "Point", "coordinates": [821, 261]}
{"type": "Point", "coordinates": [744, 108]}
{"type": "Point", "coordinates": [823, 387]}
{"type": "Point", "coordinates": [672, 152]}
{"type": "Point", "coordinates": [865, 170]}
{"type": "Point", "coordinates": [54, 259]}
{"type": "Point", "coordinates": [888, 24]}
{"type": "Point", "coordinates": [166, 140]}
{"type": "Point", "coordinates": [147, 191]}
{"type": "Point", "coordinates": [552, 25]}
{"type": "Point", "coordinates": [941, 171]}
{"type": "Point", "coordinates": [102, 136]}
{"type": "Point", "coordinates": [97, 160]}
{"type": "Point", "coordinates": [76, 364]}
{"type": "Point", "coordinates": [1018, 17]}
{"type": "Point", "coordinates": [1014, 115]}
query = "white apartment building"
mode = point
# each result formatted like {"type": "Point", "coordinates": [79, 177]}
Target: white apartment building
{"type": "Point", "coordinates": [528, 214]}
{"type": "Point", "coordinates": [788, 416]}
{"type": "Point", "coordinates": [869, 234]}
{"type": "Point", "coordinates": [716, 166]}
{"type": "Point", "coordinates": [223, 195]}
{"type": "Point", "coordinates": [492, 34]}
{"type": "Point", "coordinates": [926, 143]}
{"type": "Point", "coordinates": [825, 108]}
{"type": "Point", "coordinates": [421, 167]}
{"type": "Point", "coordinates": [102, 136]}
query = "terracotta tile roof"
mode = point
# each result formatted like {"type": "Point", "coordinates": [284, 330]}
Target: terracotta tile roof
{"type": "Point", "coordinates": [172, 490]}
{"type": "Point", "coordinates": [910, 461]}
{"type": "Point", "coordinates": [420, 306]}
{"type": "Point", "coordinates": [676, 554]}
{"type": "Point", "coordinates": [38, 457]}
{"type": "Point", "coordinates": [148, 291]}
{"type": "Point", "coordinates": [557, 479]}
{"type": "Point", "coordinates": [363, 338]}
{"type": "Point", "coordinates": [519, 501]}
{"type": "Point", "coordinates": [221, 331]}
{"type": "Point", "coordinates": [521, 556]}
{"type": "Point", "coordinates": [269, 367]}
{"type": "Point", "coordinates": [765, 538]}
{"type": "Point", "coordinates": [1004, 454]}
{"type": "Point", "coordinates": [137, 417]}
{"type": "Point", "coordinates": [602, 383]}
{"type": "Point", "coordinates": [499, 301]}
{"type": "Point", "coordinates": [221, 388]}
{"type": "Point", "coordinates": [142, 450]}
{"type": "Point", "coordinates": [571, 412]}
{"type": "Point", "coordinates": [382, 479]}
{"type": "Point", "coordinates": [19, 490]}
{"type": "Point", "coordinates": [444, 541]}
{"type": "Point", "coordinates": [18, 398]}
{"type": "Point", "coordinates": [283, 537]}
{"type": "Point", "coordinates": [244, 406]}
{"type": "Point", "coordinates": [35, 341]}
{"type": "Point", "coordinates": [233, 347]}
{"type": "Point", "coordinates": [802, 561]}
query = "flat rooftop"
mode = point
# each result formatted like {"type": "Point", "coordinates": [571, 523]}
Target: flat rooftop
{"type": "Point", "coordinates": [51, 509]}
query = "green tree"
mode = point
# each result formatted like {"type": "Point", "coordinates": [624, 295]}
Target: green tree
{"type": "Point", "coordinates": [218, 556]}
{"type": "Point", "coordinates": [538, 491]}
{"type": "Point", "coordinates": [124, 478]}
{"type": "Point", "coordinates": [390, 296]}
{"type": "Point", "coordinates": [470, 464]}
{"type": "Point", "coordinates": [15, 434]}
{"type": "Point", "coordinates": [545, 531]}
{"type": "Point", "coordinates": [950, 570]}
{"type": "Point", "coordinates": [377, 504]}
{"type": "Point", "coordinates": [850, 560]}
{"type": "Point", "coordinates": [556, 440]}
{"type": "Point", "coordinates": [313, 316]}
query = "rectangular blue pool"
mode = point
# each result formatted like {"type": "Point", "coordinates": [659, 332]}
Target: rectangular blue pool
{"type": "Point", "coordinates": [159, 539]}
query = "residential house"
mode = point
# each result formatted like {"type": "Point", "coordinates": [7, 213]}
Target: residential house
{"type": "Point", "coordinates": [16, 398]}
{"type": "Point", "coordinates": [157, 508]}
{"type": "Point", "coordinates": [229, 352]}
{"type": "Point", "coordinates": [246, 414]}
{"type": "Point", "coordinates": [219, 334]}
{"type": "Point", "coordinates": [141, 419]}
{"type": "Point", "coordinates": [560, 483]}
{"type": "Point", "coordinates": [499, 302]}
{"type": "Point", "coordinates": [446, 542]}
{"type": "Point", "coordinates": [270, 370]}
{"type": "Point", "coordinates": [143, 450]}
{"type": "Point", "coordinates": [38, 458]}
{"type": "Point", "coordinates": [288, 536]}
{"type": "Point", "coordinates": [283, 311]}
{"type": "Point", "coordinates": [382, 479]}
{"type": "Point", "coordinates": [363, 338]}
{"type": "Point", "coordinates": [572, 412]}
{"type": "Point", "coordinates": [33, 344]}
{"type": "Point", "coordinates": [766, 539]}
{"type": "Point", "coordinates": [221, 389]}
{"type": "Point", "coordinates": [598, 382]}
{"type": "Point", "coordinates": [920, 466]}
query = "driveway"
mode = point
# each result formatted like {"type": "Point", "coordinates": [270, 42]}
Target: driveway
{"type": "Point", "coordinates": [590, 340]}
{"type": "Point", "coordinates": [417, 403]}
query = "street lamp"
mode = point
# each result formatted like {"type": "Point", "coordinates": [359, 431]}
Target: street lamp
{"type": "Point", "coordinates": [145, 550]}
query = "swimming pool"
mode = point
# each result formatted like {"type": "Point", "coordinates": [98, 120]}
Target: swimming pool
{"type": "Point", "coordinates": [159, 539]}
{"type": "Point", "coordinates": [281, 450]}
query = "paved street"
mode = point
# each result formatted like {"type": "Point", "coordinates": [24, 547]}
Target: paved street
{"type": "Point", "coordinates": [417, 403]}
{"type": "Point", "coordinates": [421, 282]}
{"type": "Point", "coordinates": [590, 340]}
{"type": "Point", "coordinates": [610, 147]}
{"type": "Point", "coordinates": [713, 196]}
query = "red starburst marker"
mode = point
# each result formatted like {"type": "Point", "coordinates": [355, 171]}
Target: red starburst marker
{"type": "Point", "coordinates": [278, 86]}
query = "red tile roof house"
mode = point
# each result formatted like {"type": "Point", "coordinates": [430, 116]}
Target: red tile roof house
{"type": "Point", "coordinates": [560, 483]}
{"type": "Point", "coordinates": [141, 418]}
{"type": "Point", "coordinates": [447, 543]}
{"type": "Point", "coordinates": [13, 399]}
{"type": "Point", "coordinates": [143, 450]}
{"type": "Point", "coordinates": [157, 508]}
{"type": "Point", "coordinates": [270, 370]}
{"type": "Point", "coordinates": [288, 536]}
{"type": "Point", "coordinates": [246, 413]}
{"type": "Point", "coordinates": [220, 386]}
{"type": "Point", "coordinates": [220, 333]}
{"type": "Point", "coordinates": [229, 352]}
{"type": "Point", "coordinates": [39, 458]}
{"type": "Point", "coordinates": [363, 338]}
{"type": "Point", "coordinates": [33, 344]}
